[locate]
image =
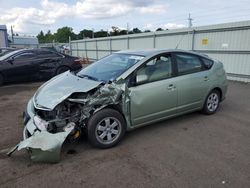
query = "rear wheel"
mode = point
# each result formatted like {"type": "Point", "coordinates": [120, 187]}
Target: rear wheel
{"type": "Point", "coordinates": [62, 69]}
{"type": "Point", "coordinates": [212, 102]}
{"type": "Point", "coordinates": [106, 128]}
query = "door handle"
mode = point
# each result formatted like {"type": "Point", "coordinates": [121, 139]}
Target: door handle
{"type": "Point", "coordinates": [171, 87]}
{"type": "Point", "coordinates": [206, 78]}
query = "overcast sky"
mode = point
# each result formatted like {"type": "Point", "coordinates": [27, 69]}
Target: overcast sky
{"type": "Point", "coordinates": [30, 16]}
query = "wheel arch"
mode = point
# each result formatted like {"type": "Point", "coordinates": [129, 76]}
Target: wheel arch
{"type": "Point", "coordinates": [118, 108]}
{"type": "Point", "coordinates": [219, 90]}
{"type": "Point", "coordinates": [61, 66]}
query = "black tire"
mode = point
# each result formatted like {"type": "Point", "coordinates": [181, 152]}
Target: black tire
{"type": "Point", "coordinates": [62, 69]}
{"type": "Point", "coordinates": [212, 102]}
{"type": "Point", "coordinates": [99, 120]}
{"type": "Point", "coordinates": [1, 80]}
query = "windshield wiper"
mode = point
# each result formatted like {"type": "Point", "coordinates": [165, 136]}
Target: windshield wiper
{"type": "Point", "coordinates": [87, 76]}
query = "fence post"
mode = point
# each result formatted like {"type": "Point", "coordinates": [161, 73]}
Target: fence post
{"type": "Point", "coordinates": [70, 48]}
{"type": "Point", "coordinates": [110, 45]}
{"type": "Point", "coordinates": [154, 45]}
{"type": "Point", "coordinates": [96, 47]}
{"type": "Point", "coordinates": [86, 53]}
{"type": "Point", "coordinates": [128, 43]}
{"type": "Point", "coordinates": [77, 49]}
{"type": "Point", "coordinates": [193, 33]}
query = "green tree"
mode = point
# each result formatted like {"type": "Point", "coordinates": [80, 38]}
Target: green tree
{"type": "Point", "coordinates": [101, 33]}
{"type": "Point", "coordinates": [41, 37]}
{"type": "Point", "coordinates": [85, 33]}
{"type": "Point", "coordinates": [63, 34]}
{"type": "Point", "coordinates": [136, 30]}
{"type": "Point", "coordinates": [48, 37]}
{"type": "Point", "coordinates": [123, 32]}
{"type": "Point", "coordinates": [159, 29]}
{"type": "Point", "coordinates": [115, 31]}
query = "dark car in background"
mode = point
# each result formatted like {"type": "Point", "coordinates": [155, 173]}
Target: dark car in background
{"type": "Point", "coordinates": [35, 64]}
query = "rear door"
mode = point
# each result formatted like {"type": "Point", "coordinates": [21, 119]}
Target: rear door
{"type": "Point", "coordinates": [192, 82]}
{"type": "Point", "coordinates": [48, 63]}
{"type": "Point", "coordinates": [153, 96]}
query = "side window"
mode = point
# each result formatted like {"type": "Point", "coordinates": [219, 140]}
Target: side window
{"type": "Point", "coordinates": [24, 56]}
{"type": "Point", "coordinates": [48, 54]}
{"type": "Point", "coordinates": [156, 69]}
{"type": "Point", "coordinates": [207, 62]}
{"type": "Point", "coordinates": [188, 64]}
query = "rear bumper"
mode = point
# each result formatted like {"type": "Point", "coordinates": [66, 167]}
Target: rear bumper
{"type": "Point", "coordinates": [76, 66]}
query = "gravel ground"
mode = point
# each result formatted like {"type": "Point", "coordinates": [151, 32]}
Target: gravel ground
{"type": "Point", "coordinates": [193, 150]}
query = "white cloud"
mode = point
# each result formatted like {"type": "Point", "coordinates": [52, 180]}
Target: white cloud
{"type": "Point", "coordinates": [153, 9]}
{"type": "Point", "coordinates": [172, 26]}
{"type": "Point", "coordinates": [153, 27]}
{"type": "Point", "coordinates": [49, 12]}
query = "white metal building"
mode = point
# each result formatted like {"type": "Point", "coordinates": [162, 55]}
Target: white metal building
{"type": "Point", "coordinates": [3, 36]}
{"type": "Point", "coordinates": [23, 42]}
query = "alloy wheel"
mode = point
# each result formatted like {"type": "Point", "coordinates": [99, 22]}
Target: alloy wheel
{"type": "Point", "coordinates": [108, 130]}
{"type": "Point", "coordinates": [213, 102]}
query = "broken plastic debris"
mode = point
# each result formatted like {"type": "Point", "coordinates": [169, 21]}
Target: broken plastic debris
{"type": "Point", "coordinates": [44, 146]}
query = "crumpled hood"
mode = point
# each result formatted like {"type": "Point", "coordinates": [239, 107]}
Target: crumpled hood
{"type": "Point", "coordinates": [61, 87]}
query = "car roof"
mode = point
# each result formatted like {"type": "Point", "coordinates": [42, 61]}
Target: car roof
{"type": "Point", "coordinates": [34, 50]}
{"type": "Point", "coordinates": [150, 52]}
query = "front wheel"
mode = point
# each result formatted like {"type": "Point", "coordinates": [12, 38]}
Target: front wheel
{"type": "Point", "coordinates": [106, 128]}
{"type": "Point", "coordinates": [212, 102]}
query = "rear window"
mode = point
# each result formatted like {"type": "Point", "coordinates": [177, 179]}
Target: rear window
{"type": "Point", "coordinates": [207, 62]}
{"type": "Point", "coordinates": [187, 64]}
{"type": "Point", "coordinates": [48, 54]}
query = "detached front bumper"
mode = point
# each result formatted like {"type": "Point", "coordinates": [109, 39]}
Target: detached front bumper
{"type": "Point", "coordinates": [42, 145]}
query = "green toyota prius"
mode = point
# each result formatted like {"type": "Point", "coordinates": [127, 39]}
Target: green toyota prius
{"type": "Point", "coordinates": [124, 91]}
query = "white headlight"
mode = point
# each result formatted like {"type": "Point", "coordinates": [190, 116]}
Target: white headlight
{"type": "Point", "coordinates": [40, 123]}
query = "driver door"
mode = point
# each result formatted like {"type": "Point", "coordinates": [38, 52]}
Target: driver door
{"type": "Point", "coordinates": [21, 67]}
{"type": "Point", "coordinates": [153, 97]}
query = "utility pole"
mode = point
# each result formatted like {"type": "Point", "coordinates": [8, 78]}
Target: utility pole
{"type": "Point", "coordinates": [127, 28]}
{"type": "Point", "coordinates": [93, 34]}
{"type": "Point", "coordinates": [190, 24]}
{"type": "Point", "coordinates": [12, 34]}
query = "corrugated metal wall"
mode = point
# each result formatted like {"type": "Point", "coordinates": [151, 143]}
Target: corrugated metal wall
{"type": "Point", "coordinates": [229, 43]}
{"type": "Point", "coordinates": [3, 36]}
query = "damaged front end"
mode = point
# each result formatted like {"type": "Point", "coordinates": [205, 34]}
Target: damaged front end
{"type": "Point", "coordinates": [58, 113]}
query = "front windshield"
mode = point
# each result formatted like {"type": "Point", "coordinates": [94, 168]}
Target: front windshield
{"type": "Point", "coordinates": [110, 67]}
{"type": "Point", "coordinates": [4, 57]}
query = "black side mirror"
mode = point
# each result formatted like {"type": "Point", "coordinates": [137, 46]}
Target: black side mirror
{"type": "Point", "coordinates": [132, 80]}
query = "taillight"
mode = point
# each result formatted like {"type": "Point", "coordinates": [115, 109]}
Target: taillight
{"type": "Point", "coordinates": [78, 61]}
